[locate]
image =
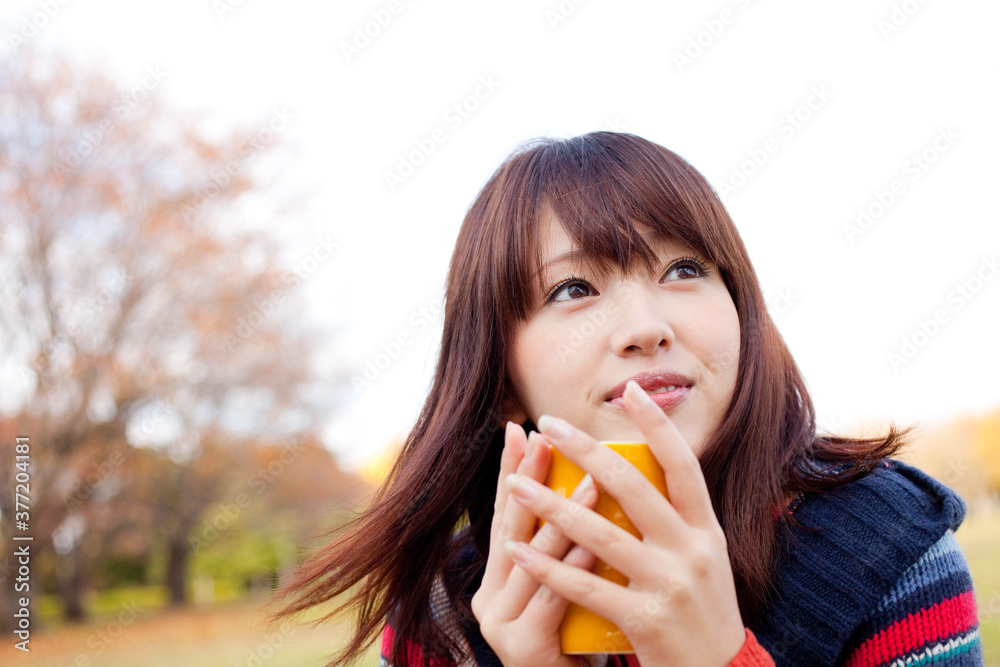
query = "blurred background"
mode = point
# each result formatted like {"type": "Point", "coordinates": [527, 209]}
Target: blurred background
{"type": "Point", "coordinates": [225, 227]}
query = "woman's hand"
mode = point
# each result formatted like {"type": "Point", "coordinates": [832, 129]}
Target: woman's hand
{"type": "Point", "coordinates": [519, 618]}
{"type": "Point", "coordinates": [680, 607]}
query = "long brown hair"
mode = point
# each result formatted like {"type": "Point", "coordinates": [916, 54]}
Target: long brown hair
{"type": "Point", "coordinates": [601, 187]}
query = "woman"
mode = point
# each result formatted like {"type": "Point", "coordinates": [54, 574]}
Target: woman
{"type": "Point", "coordinates": [584, 264]}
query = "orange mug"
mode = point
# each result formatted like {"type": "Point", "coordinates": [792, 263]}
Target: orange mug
{"type": "Point", "coordinates": [582, 631]}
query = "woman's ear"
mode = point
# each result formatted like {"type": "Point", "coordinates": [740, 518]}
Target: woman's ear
{"type": "Point", "coordinates": [512, 410]}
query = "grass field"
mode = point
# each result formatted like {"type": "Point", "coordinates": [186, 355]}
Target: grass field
{"type": "Point", "coordinates": [232, 634]}
{"type": "Point", "coordinates": [131, 628]}
{"type": "Point", "coordinates": [980, 541]}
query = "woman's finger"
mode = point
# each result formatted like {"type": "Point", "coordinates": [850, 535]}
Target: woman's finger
{"type": "Point", "coordinates": [520, 587]}
{"type": "Point", "coordinates": [546, 608]}
{"type": "Point", "coordinates": [573, 583]}
{"type": "Point", "coordinates": [516, 522]}
{"type": "Point", "coordinates": [685, 481]}
{"type": "Point", "coordinates": [498, 564]}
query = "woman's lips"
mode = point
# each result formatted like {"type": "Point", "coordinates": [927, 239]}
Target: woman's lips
{"type": "Point", "coordinates": [665, 400]}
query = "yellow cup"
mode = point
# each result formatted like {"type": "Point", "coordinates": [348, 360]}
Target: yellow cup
{"type": "Point", "coordinates": [582, 631]}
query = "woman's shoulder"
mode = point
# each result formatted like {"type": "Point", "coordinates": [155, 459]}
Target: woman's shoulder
{"type": "Point", "coordinates": [881, 522]}
{"type": "Point", "coordinates": [846, 549]}
{"type": "Point", "coordinates": [895, 495]}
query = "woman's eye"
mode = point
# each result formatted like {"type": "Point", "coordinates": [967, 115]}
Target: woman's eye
{"type": "Point", "coordinates": [685, 270]}
{"type": "Point", "coordinates": [572, 289]}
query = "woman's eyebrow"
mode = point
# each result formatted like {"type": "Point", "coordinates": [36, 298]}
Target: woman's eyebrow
{"type": "Point", "coordinates": [573, 256]}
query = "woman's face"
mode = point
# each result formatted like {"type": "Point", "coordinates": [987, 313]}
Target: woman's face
{"type": "Point", "coordinates": [589, 334]}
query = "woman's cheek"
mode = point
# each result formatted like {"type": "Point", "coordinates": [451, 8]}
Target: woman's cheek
{"type": "Point", "coordinates": [723, 329]}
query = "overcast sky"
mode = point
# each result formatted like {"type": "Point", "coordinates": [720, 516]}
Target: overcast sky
{"type": "Point", "coordinates": [803, 115]}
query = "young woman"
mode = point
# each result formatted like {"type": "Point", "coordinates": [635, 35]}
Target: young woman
{"type": "Point", "coordinates": [599, 291]}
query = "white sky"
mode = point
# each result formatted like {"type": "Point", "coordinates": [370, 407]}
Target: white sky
{"type": "Point", "coordinates": [612, 65]}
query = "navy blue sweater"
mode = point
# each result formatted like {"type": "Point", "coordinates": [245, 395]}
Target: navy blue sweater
{"type": "Point", "coordinates": [844, 585]}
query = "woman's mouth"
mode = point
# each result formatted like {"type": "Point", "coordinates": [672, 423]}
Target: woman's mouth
{"type": "Point", "coordinates": [666, 387]}
{"type": "Point", "coordinates": [666, 396]}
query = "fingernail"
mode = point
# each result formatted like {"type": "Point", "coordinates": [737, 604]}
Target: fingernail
{"type": "Point", "coordinates": [634, 387]}
{"type": "Point", "coordinates": [520, 486]}
{"type": "Point", "coordinates": [584, 489]}
{"type": "Point", "coordinates": [554, 429]}
{"type": "Point", "coordinates": [516, 551]}
{"type": "Point", "coordinates": [533, 443]}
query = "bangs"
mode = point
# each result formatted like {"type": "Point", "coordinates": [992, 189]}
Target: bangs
{"type": "Point", "coordinates": [607, 190]}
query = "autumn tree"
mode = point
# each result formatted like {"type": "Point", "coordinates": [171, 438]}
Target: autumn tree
{"type": "Point", "coordinates": [288, 493]}
{"type": "Point", "coordinates": [145, 302]}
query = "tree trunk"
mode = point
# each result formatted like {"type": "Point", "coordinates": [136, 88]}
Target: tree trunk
{"type": "Point", "coordinates": [178, 557]}
{"type": "Point", "coordinates": [71, 586]}
{"type": "Point", "coordinates": [8, 594]}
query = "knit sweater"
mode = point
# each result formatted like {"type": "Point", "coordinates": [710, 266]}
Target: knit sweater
{"type": "Point", "coordinates": [872, 578]}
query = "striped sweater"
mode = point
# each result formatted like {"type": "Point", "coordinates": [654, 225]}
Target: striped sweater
{"type": "Point", "coordinates": [873, 578]}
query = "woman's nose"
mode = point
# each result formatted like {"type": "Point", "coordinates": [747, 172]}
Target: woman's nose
{"type": "Point", "coordinates": [641, 323]}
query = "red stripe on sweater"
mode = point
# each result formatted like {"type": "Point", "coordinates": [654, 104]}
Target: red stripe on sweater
{"type": "Point", "coordinates": [944, 619]}
{"type": "Point", "coordinates": [751, 654]}
{"type": "Point", "coordinates": [413, 651]}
